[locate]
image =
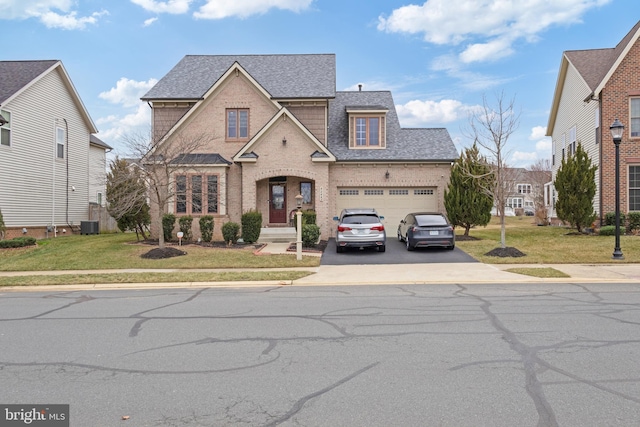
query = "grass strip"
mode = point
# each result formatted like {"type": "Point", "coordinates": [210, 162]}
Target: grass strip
{"type": "Point", "coordinates": [87, 279]}
{"type": "Point", "coordinates": [543, 272]}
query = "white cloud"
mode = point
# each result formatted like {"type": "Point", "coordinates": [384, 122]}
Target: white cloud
{"type": "Point", "coordinates": [127, 92]}
{"type": "Point", "coordinates": [538, 132]}
{"type": "Point", "coordinates": [52, 13]}
{"type": "Point", "coordinates": [422, 113]}
{"type": "Point", "coordinates": [174, 7]}
{"type": "Point", "coordinates": [136, 118]}
{"type": "Point", "coordinates": [490, 27]}
{"type": "Point", "coordinates": [219, 9]}
{"type": "Point", "coordinates": [149, 21]}
{"type": "Point", "coordinates": [544, 145]}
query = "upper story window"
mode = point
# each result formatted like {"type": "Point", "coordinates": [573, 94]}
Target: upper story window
{"type": "Point", "coordinates": [60, 141]}
{"type": "Point", "coordinates": [634, 188]}
{"type": "Point", "coordinates": [237, 124]}
{"type": "Point", "coordinates": [5, 130]}
{"type": "Point", "coordinates": [572, 141]}
{"type": "Point", "coordinates": [524, 188]}
{"type": "Point", "coordinates": [367, 128]}
{"type": "Point", "coordinates": [634, 114]}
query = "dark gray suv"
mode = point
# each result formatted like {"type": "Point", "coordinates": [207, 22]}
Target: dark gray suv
{"type": "Point", "coordinates": [360, 228]}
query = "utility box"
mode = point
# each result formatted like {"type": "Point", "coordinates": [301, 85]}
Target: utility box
{"type": "Point", "coordinates": [89, 227]}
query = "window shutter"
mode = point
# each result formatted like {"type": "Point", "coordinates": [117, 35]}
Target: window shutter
{"type": "Point", "coordinates": [383, 132]}
{"type": "Point", "coordinates": [352, 130]}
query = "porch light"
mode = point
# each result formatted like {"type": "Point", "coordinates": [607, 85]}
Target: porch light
{"type": "Point", "coordinates": [617, 129]}
{"type": "Point", "coordinates": [386, 175]}
{"type": "Point", "coordinates": [299, 201]}
{"type": "Point", "coordinates": [284, 140]}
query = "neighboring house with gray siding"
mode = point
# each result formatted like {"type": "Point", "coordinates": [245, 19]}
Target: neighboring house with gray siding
{"type": "Point", "coordinates": [595, 87]}
{"type": "Point", "coordinates": [276, 127]}
{"type": "Point", "coordinates": [52, 165]}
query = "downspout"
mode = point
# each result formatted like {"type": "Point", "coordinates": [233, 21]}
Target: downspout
{"type": "Point", "coordinates": [66, 143]}
{"type": "Point", "coordinates": [601, 201]}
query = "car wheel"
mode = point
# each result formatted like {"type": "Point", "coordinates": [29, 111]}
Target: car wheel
{"type": "Point", "coordinates": [409, 247]}
{"type": "Point", "coordinates": [399, 236]}
{"type": "Point", "coordinates": [382, 248]}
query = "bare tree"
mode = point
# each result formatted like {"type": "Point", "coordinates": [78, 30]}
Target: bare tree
{"type": "Point", "coordinates": [490, 127]}
{"type": "Point", "coordinates": [159, 161]}
{"type": "Point", "coordinates": [539, 174]}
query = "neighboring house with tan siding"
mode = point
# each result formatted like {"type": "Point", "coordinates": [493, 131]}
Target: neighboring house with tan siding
{"type": "Point", "coordinates": [52, 165]}
{"type": "Point", "coordinates": [276, 127]}
{"type": "Point", "coordinates": [595, 87]}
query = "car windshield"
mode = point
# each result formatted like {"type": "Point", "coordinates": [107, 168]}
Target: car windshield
{"type": "Point", "coordinates": [427, 220]}
{"type": "Point", "coordinates": [360, 219]}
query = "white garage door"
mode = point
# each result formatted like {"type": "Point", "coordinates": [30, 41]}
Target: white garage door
{"type": "Point", "coordinates": [392, 203]}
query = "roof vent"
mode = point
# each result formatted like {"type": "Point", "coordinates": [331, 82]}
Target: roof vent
{"type": "Point", "coordinates": [359, 88]}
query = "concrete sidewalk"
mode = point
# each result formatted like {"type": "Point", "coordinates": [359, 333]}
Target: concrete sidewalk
{"type": "Point", "coordinates": [445, 273]}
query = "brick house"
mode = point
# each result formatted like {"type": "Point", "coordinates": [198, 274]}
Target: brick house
{"type": "Point", "coordinates": [274, 127]}
{"type": "Point", "coordinates": [595, 87]}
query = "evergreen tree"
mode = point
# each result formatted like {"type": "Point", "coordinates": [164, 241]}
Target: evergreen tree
{"type": "Point", "coordinates": [126, 198]}
{"type": "Point", "coordinates": [3, 228]}
{"type": "Point", "coordinates": [576, 187]}
{"type": "Point", "coordinates": [466, 201]}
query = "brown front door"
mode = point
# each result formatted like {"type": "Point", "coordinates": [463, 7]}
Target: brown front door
{"type": "Point", "coordinates": [278, 205]}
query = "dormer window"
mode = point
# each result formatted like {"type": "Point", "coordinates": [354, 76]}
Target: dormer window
{"type": "Point", "coordinates": [367, 127]}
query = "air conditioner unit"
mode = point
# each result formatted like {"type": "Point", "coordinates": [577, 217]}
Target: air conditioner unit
{"type": "Point", "coordinates": [89, 227]}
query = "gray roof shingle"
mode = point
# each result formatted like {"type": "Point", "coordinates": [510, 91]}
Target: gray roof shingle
{"type": "Point", "coordinates": [427, 144]}
{"type": "Point", "coordinates": [283, 76]}
{"type": "Point", "coordinates": [200, 159]}
{"type": "Point", "coordinates": [14, 75]}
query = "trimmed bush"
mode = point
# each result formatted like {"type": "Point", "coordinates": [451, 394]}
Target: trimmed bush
{"type": "Point", "coordinates": [185, 226]}
{"type": "Point", "coordinates": [168, 222]}
{"type": "Point", "coordinates": [2, 226]}
{"type": "Point", "coordinates": [206, 228]}
{"type": "Point", "coordinates": [610, 219]}
{"type": "Point", "coordinates": [310, 234]}
{"type": "Point", "coordinates": [608, 230]}
{"type": "Point", "coordinates": [308, 217]}
{"type": "Point", "coordinates": [18, 242]}
{"type": "Point", "coordinates": [230, 231]}
{"type": "Point", "coordinates": [634, 221]}
{"type": "Point", "coordinates": [251, 224]}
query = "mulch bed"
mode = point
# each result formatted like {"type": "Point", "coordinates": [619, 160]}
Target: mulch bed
{"type": "Point", "coordinates": [320, 247]}
{"type": "Point", "coordinates": [158, 253]}
{"type": "Point", "coordinates": [505, 252]}
{"type": "Point", "coordinates": [171, 250]}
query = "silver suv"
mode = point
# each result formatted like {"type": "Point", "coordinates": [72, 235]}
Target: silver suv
{"type": "Point", "coordinates": [360, 228]}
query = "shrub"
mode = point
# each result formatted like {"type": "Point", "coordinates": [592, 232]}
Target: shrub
{"type": "Point", "coordinates": [185, 226]}
{"type": "Point", "coordinates": [308, 217]}
{"type": "Point", "coordinates": [168, 222]}
{"type": "Point", "coordinates": [608, 230]}
{"type": "Point", "coordinates": [610, 218]}
{"type": "Point", "coordinates": [2, 226]}
{"type": "Point", "coordinates": [230, 232]}
{"type": "Point", "coordinates": [251, 224]}
{"type": "Point", "coordinates": [634, 221]}
{"type": "Point", "coordinates": [310, 234]}
{"type": "Point", "coordinates": [18, 242]}
{"type": "Point", "coordinates": [206, 228]}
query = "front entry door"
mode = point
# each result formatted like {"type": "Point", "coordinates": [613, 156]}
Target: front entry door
{"type": "Point", "coordinates": [278, 205]}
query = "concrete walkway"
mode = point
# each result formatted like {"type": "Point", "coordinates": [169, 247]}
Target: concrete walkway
{"type": "Point", "coordinates": [375, 274]}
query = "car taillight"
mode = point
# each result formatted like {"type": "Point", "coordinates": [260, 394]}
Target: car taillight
{"type": "Point", "coordinates": [378, 228]}
{"type": "Point", "coordinates": [342, 228]}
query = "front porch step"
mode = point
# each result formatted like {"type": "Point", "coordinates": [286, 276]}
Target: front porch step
{"type": "Point", "coordinates": [277, 235]}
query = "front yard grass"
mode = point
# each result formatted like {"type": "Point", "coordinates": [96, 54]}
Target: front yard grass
{"type": "Point", "coordinates": [546, 245]}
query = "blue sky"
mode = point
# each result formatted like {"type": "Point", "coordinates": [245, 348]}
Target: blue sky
{"type": "Point", "coordinates": [438, 57]}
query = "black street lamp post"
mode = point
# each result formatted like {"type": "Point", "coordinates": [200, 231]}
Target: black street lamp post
{"type": "Point", "coordinates": [617, 129]}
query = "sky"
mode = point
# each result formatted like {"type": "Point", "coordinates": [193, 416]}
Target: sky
{"type": "Point", "coordinates": [439, 58]}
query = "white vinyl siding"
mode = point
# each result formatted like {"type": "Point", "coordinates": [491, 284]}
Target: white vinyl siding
{"type": "Point", "coordinates": [579, 121]}
{"type": "Point", "coordinates": [33, 182]}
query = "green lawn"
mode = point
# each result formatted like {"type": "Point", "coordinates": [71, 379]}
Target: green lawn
{"type": "Point", "coordinates": [546, 245]}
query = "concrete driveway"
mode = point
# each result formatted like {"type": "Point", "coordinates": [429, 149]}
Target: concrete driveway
{"type": "Point", "coordinates": [396, 253]}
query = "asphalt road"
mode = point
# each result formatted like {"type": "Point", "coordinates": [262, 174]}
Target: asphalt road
{"type": "Point", "coordinates": [396, 253]}
{"type": "Point", "coordinates": [443, 355]}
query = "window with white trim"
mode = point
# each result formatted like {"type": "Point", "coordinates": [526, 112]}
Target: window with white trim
{"type": "Point", "coordinates": [634, 116]}
{"type": "Point", "coordinates": [374, 192]}
{"type": "Point", "coordinates": [515, 202]}
{"type": "Point", "coordinates": [572, 141]}
{"type": "Point", "coordinates": [634, 188]}
{"type": "Point", "coordinates": [349, 192]}
{"type": "Point", "coordinates": [60, 141]}
{"type": "Point", "coordinates": [196, 194]}
{"type": "Point", "coordinates": [5, 129]}
{"type": "Point", "coordinates": [524, 188]}
{"type": "Point", "coordinates": [398, 192]}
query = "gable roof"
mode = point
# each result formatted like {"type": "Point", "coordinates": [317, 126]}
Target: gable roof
{"type": "Point", "coordinates": [17, 76]}
{"type": "Point", "coordinates": [98, 142]}
{"type": "Point", "coordinates": [403, 145]}
{"type": "Point", "coordinates": [595, 66]}
{"type": "Point", "coordinates": [282, 76]}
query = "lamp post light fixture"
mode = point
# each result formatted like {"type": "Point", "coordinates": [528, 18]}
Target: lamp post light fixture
{"type": "Point", "coordinates": [299, 227]}
{"type": "Point", "coordinates": [617, 129]}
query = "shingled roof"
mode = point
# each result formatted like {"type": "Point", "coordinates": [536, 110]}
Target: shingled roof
{"type": "Point", "coordinates": [15, 75]}
{"type": "Point", "coordinates": [282, 76]}
{"type": "Point", "coordinates": [402, 145]}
